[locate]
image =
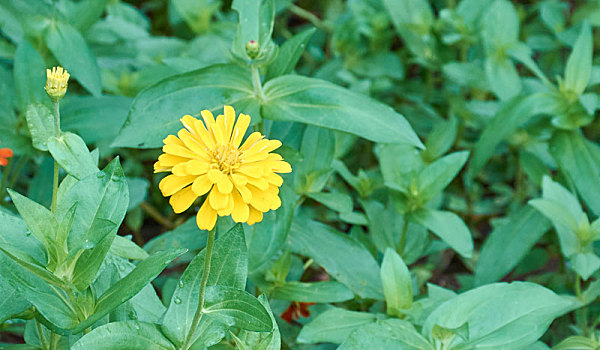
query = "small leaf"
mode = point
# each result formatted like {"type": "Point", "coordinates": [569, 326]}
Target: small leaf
{"type": "Point", "coordinates": [237, 307]}
{"type": "Point", "coordinates": [397, 285]}
{"type": "Point", "coordinates": [334, 326]}
{"type": "Point", "coordinates": [41, 124]}
{"type": "Point", "coordinates": [315, 292]}
{"type": "Point", "coordinates": [131, 335]}
{"type": "Point", "coordinates": [436, 176]}
{"type": "Point", "coordinates": [289, 53]}
{"type": "Point", "coordinates": [579, 63]}
{"type": "Point", "coordinates": [72, 154]}
{"type": "Point", "coordinates": [387, 334]}
{"type": "Point", "coordinates": [449, 227]}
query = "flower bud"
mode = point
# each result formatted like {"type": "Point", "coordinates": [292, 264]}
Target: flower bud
{"type": "Point", "coordinates": [56, 83]}
{"type": "Point", "coordinates": [252, 49]}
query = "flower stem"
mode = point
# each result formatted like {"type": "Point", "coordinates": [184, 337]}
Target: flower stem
{"type": "Point", "coordinates": [56, 169]}
{"type": "Point", "coordinates": [41, 334]}
{"type": "Point", "coordinates": [200, 310]}
{"type": "Point", "coordinates": [258, 91]}
{"type": "Point", "coordinates": [400, 248]}
{"type": "Point", "coordinates": [54, 339]}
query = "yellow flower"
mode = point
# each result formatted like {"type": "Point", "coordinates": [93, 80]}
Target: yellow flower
{"type": "Point", "coordinates": [56, 82]}
{"type": "Point", "coordinates": [206, 158]}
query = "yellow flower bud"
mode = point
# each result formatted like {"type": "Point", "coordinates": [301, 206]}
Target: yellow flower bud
{"type": "Point", "coordinates": [56, 83]}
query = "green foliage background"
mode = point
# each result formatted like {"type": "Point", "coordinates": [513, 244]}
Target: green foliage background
{"type": "Point", "coordinates": [445, 190]}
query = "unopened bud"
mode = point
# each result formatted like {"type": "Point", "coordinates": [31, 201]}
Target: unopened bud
{"type": "Point", "coordinates": [252, 49]}
{"type": "Point", "coordinates": [56, 83]}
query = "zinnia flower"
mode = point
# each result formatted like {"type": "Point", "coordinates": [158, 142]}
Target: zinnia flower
{"type": "Point", "coordinates": [296, 310]}
{"type": "Point", "coordinates": [56, 82]}
{"type": "Point", "coordinates": [5, 153]}
{"type": "Point", "coordinates": [206, 158]}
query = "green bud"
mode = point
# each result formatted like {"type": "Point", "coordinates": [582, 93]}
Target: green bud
{"type": "Point", "coordinates": [252, 49]}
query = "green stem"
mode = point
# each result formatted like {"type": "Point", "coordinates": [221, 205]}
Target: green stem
{"type": "Point", "coordinates": [309, 16]}
{"type": "Point", "coordinates": [54, 339]}
{"type": "Point", "coordinates": [200, 310]}
{"type": "Point", "coordinates": [56, 169]}
{"type": "Point", "coordinates": [400, 248]}
{"type": "Point", "coordinates": [41, 334]}
{"type": "Point", "coordinates": [583, 311]}
{"type": "Point", "coordinates": [258, 91]}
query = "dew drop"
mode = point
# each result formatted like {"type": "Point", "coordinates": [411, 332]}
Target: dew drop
{"type": "Point", "coordinates": [180, 284]}
{"type": "Point", "coordinates": [177, 301]}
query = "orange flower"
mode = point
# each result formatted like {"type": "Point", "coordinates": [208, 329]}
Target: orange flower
{"type": "Point", "coordinates": [5, 153]}
{"type": "Point", "coordinates": [296, 310]}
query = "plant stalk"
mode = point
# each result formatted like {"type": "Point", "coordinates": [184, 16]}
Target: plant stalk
{"type": "Point", "coordinates": [400, 248]}
{"type": "Point", "coordinates": [56, 169]}
{"type": "Point", "coordinates": [258, 90]}
{"type": "Point", "coordinates": [200, 310]}
{"type": "Point", "coordinates": [41, 334]}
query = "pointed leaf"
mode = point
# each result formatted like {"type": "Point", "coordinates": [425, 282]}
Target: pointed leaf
{"type": "Point", "coordinates": [397, 284]}
{"type": "Point", "coordinates": [579, 64]}
{"type": "Point", "coordinates": [131, 335]}
{"type": "Point", "coordinates": [447, 226]}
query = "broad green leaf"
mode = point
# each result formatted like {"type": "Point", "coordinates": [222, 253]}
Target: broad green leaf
{"type": "Point", "coordinates": [509, 117]}
{"type": "Point", "coordinates": [237, 307]}
{"type": "Point", "coordinates": [288, 54]}
{"type": "Point", "coordinates": [508, 244]}
{"type": "Point", "coordinates": [41, 124]}
{"type": "Point", "coordinates": [132, 335]}
{"type": "Point", "coordinates": [502, 77]}
{"type": "Point", "coordinates": [516, 308]}
{"type": "Point", "coordinates": [440, 139]}
{"type": "Point", "coordinates": [102, 203]}
{"type": "Point", "coordinates": [156, 110]}
{"type": "Point", "coordinates": [320, 103]}
{"type": "Point", "coordinates": [556, 212]}
{"type": "Point", "coordinates": [15, 234]}
{"type": "Point", "coordinates": [397, 285]}
{"type": "Point", "coordinates": [126, 248]}
{"type": "Point", "coordinates": [72, 154]}
{"type": "Point", "coordinates": [387, 334]}
{"type": "Point", "coordinates": [413, 20]}
{"type": "Point", "coordinates": [349, 262]}
{"type": "Point", "coordinates": [337, 201]}
{"type": "Point", "coordinates": [500, 24]}
{"type": "Point", "coordinates": [49, 300]}
{"type": "Point", "coordinates": [334, 326]}
{"type": "Point", "coordinates": [579, 64]}
{"type": "Point", "coordinates": [71, 50]}
{"type": "Point", "coordinates": [40, 221]}
{"type": "Point", "coordinates": [447, 226]}
{"type": "Point", "coordinates": [315, 292]}
{"type": "Point", "coordinates": [228, 267]}
{"type": "Point", "coordinates": [436, 176]}
{"type": "Point", "coordinates": [129, 286]}
{"type": "Point", "coordinates": [580, 160]}
{"type": "Point", "coordinates": [85, 13]}
{"type": "Point", "coordinates": [585, 264]}
{"type": "Point", "coordinates": [94, 118]}
{"type": "Point", "coordinates": [13, 302]}
{"type": "Point", "coordinates": [30, 76]}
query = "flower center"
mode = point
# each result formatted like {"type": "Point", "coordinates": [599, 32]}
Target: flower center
{"type": "Point", "coordinates": [227, 158]}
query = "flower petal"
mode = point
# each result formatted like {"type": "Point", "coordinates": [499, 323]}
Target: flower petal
{"type": "Point", "coordinates": [201, 185]}
{"type": "Point", "coordinates": [241, 211]}
{"type": "Point", "coordinates": [225, 185]}
{"type": "Point", "coordinates": [217, 199]}
{"type": "Point", "coordinates": [239, 129]}
{"type": "Point", "coordinates": [255, 216]}
{"type": "Point", "coordinates": [172, 183]}
{"type": "Point", "coordinates": [182, 200]}
{"type": "Point", "coordinates": [206, 217]}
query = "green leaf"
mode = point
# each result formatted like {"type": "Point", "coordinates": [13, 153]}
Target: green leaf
{"type": "Point", "coordinates": [126, 248]}
{"type": "Point", "coordinates": [320, 103]}
{"type": "Point", "coordinates": [41, 124]}
{"type": "Point", "coordinates": [72, 154]}
{"type": "Point", "coordinates": [500, 24]}
{"type": "Point", "coordinates": [413, 20]}
{"type": "Point", "coordinates": [577, 343]}
{"type": "Point", "coordinates": [388, 334]}
{"type": "Point", "coordinates": [579, 65]}
{"type": "Point", "coordinates": [15, 234]}
{"type": "Point", "coordinates": [580, 160]}
{"type": "Point", "coordinates": [13, 302]}
{"type": "Point", "coordinates": [502, 77]}
{"type": "Point", "coordinates": [288, 54]}
{"type": "Point", "coordinates": [397, 285]}
{"type": "Point", "coordinates": [555, 211]}
{"type": "Point", "coordinates": [515, 307]}
{"type": "Point", "coordinates": [39, 220]}
{"type": "Point", "coordinates": [437, 175]}
{"type": "Point", "coordinates": [30, 75]}
{"type": "Point", "coordinates": [71, 50]}
{"type": "Point", "coordinates": [508, 244]}
{"type": "Point", "coordinates": [350, 262]}
{"type": "Point", "coordinates": [585, 264]}
{"type": "Point", "coordinates": [196, 14]}
{"type": "Point", "coordinates": [228, 267]}
{"type": "Point", "coordinates": [447, 226]}
{"type": "Point", "coordinates": [102, 203]}
{"type": "Point", "coordinates": [340, 202]}
{"type": "Point", "coordinates": [255, 23]}
{"type": "Point", "coordinates": [156, 110]}
{"type": "Point", "coordinates": [129, 286]}
{"type": "Point", "coordinates": [334, 326]}
{"type": "Point", "coordinates": [237, 307]}
{"type": "Point", "coordinates": [315, 292]}
{"type": "Point", "coordinates": [440, 139]}
{"type": "Point", "coordinates": [131, 335]}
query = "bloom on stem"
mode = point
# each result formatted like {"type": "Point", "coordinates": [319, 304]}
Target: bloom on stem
{"type": "Point", "coordinates": [56, 83]}
{"type": "Point", "coordinates": [296, 310]}
{"type": "Point", "coordinates": [208, 157]}
{"type": "Point", "coordinates": [5, 153]}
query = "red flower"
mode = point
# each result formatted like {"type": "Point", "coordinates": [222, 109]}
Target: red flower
{"type": "Point", "coordinates": [296, 310]}
{"type": "Point", "coordinates": [5, 153]}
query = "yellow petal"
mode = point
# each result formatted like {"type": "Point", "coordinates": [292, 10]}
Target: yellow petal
{"type": "Point", "coordinates": [204, 135]}
{"type": "Point", "coordinates": [251, 140]}
{"type": "Point", "coordinates": [172, 140]}
{"type": "Point", "coordinates": [180, 151]}
{"type": "Point", "coordinates": [197, 167]}
{"type": "Point", "coordinates": [206, 217]}
{"type": "Point", "coordinates": [250, 170]}
{"type": "Point", "coordinates": [209, 119]}
{"type": "Point", "coordinates": [255, 216]}
{"type": "Point", "coordinates": [215, 175]}
{"type": "Point", "coordinates": [240, 130]}
{"type": "Point", "coordinates": [171, 160]}
{"type": "Point", "coordinates": [280, 167]}
{"type": "Point", "coordinates": [182, 200]}
{"type": "Point", "coordinates": [260, 199]}
{"type": "Point", "coordinates": [171, 184]}
{"type": "Point", "coordinates": [259, 182]}
{"type": "Point", "coordinates": [159, 169]}
{"type": "Point", "coordinates": [199, 149]}
{"type": "Point", "coordinates": [229, 208]}
{"type": "Point", "coordinates": [241, 211]}
{"type": "Point", "coordinates": [201, 185]}
{"type": "Point", "coordinates": [180, 170]}
{"type": "Point", "coordinates": [189, 123]}
{"type": "Point", "coordinates": [275, 203]}
{"type": "Point", "coordinates": [220, 130]}
{"type": "Point", "coordinates": [225, 185]}
{"type": "Point", "coordinates": [245, 192]}
{"type": "Point", "coordinates": [239, 179]}
{"type": "Point", "coordinates": [217, 199]}
{"type": "Point", "coordinates": [274, 179]}
{"type": "Point", "coordinates": [229, 122]}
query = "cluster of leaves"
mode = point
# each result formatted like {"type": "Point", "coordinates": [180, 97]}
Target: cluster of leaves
{"type": "Point", "coordinates": [396, 231]}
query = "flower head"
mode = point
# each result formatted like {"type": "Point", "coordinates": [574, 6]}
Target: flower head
{"type": "Point", "coordinates": [5, 153]}
{"type": "Point", "coordinates": [208, 157]}
{"type": "Point", "coordinates": [296, 310]}
{"type": "Point", "coordinates": [56, 82]}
